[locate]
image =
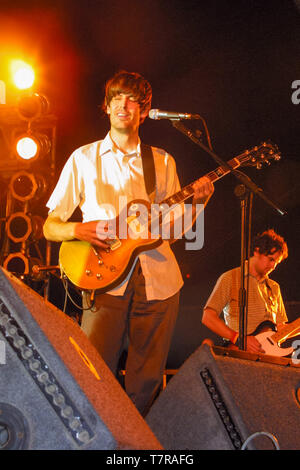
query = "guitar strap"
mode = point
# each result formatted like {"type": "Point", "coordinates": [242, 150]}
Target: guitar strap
{"type": "Point", "coordinates": [149, 170]}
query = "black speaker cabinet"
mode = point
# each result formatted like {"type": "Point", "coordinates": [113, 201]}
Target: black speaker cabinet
{"type": "Point", "coordinates": [222, 400]}
{"type": "Point", "coordinates": [56, 392]}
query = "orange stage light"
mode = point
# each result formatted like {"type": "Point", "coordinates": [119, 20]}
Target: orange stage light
{"type": "Point", "coordinates": [23, 75]}
{"type": "Point", "coordinates": [27, 148]}
{"type": "Point", "coordinates": [31, 146]}
{"type": "Point", "coordinates": [32, 106]}
{"type": "Point", "coordinates": [25, 186]}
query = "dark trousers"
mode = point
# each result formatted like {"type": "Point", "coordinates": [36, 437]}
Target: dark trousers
{"type": "Point", "coordinates": [148, 326]}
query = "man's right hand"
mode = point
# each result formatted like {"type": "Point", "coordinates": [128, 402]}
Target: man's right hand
{"type": "Point", "coordinates": [253, 345]}
{"type": "Point", "coordinates": [95, 232]}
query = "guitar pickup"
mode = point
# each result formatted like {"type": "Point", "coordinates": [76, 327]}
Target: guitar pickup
{"type": "Point", "coordinates": [270, 341]}
{"type": "Point", "coordinates": [114, 243]}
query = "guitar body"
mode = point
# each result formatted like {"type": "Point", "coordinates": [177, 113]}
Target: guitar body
{"type": "Point", "coordinates": [91, 268]}
{"type": "Point", "coordinates": [265, 334]}
{"type": "Point", "coordinates": [271, 347]}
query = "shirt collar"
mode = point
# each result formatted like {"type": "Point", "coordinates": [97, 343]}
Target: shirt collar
{"type": "Point", "coordinates": [260, 281]}
{"type": "Point", "coordinates": [107, 145]}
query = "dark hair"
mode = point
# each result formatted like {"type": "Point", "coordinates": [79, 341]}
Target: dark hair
{"type": "Point", "coordinates": [129, 82]}
{"type": "Point", "coordinates": [268, 242]}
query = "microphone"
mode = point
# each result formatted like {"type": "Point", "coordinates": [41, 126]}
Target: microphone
{"type": "Point", "coordinates": [159, 114]}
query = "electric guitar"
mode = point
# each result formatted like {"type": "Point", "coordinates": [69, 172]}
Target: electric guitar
{"type": "Point", "coordinates": [91, 268]}
{"type": "Point", "coordinates": [271, 339]}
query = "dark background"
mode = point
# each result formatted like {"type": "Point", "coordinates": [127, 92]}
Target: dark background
{"type": "Point", "coordinates": [231, 61]}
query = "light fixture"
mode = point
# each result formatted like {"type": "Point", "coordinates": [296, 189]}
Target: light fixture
{"type": "Point", "coordinates": [25, 186]}
{"type": "Point", "coordinates": [30, 146]}
{"type": "Point", "coordinates": [20, 226]}
{"type": "Point", "coordinates": [19, 264]}
{"type": "Point", "coordinates": [22, 74]}
{"type": "Point", "coordinates": [32, 106]}
{"type": "Point", "coordinates": [16, 263]}
{"type": "Point", "coordinates": [27, 148]}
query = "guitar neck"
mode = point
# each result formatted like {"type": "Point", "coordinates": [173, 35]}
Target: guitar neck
{"type": "Point", "coordinates": [213, 176]}
{"type": "Point", "coordinates": [287, 331]}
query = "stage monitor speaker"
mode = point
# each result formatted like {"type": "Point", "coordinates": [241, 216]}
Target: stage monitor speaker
{"type": "Point", "coordinates": [220, 400]}
{"type": "Point", "coordinates": [56, 392]}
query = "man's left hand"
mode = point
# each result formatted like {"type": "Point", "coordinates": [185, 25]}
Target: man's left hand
{"type": "Point", "coordinates": [203, 190]}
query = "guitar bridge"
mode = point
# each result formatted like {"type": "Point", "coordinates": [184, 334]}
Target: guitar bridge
{"type": "Point", "coordinates": [114, 243]}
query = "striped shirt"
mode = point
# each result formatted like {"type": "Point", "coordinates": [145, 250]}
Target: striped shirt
{"type": "Point", "coordinates": [265, 300]}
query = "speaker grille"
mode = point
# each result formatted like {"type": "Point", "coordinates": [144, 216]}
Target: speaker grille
{"type": "Point", "coordinates": [44, 378]}
{"type": "Point", "coordinates": [219, 403]}
{"type": "Point", "coordinates": [61, 386]}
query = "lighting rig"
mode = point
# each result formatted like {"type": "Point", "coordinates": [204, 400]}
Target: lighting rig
{"type": "Point", "coordinates": [27, 169]}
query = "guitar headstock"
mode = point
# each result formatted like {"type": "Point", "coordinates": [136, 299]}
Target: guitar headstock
{"type": "Point", "coordinates": [260, 155]}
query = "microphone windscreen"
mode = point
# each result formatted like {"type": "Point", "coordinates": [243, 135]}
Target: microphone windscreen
{"type": "Point", "coordinates": [153, 114]}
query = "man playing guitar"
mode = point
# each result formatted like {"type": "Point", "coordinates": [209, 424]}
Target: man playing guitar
{"type": "Point", "coordinates": [265, 305]}
{"type": "Point", "coordinates": [97, 177]}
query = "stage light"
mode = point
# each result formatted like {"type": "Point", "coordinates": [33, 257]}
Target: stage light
{"type": "Point", "coordinates": [25, 186]}
{"type": "Point", "coordinates": [33, 106]}
{"type": "Point", "coordinates": [16, 263]}
{"type": "Point", "coordinates": [30, 146]}
{"type": "Point", "coordinates": [19, 264]}
{"type": "Point", "coordinates": [27, 148]}
{"type": "Point", "coordinates": [22, 74]}
{"type": "Point", "coordinates": [20, 226]}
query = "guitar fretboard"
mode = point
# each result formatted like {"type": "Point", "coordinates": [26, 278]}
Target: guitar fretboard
{"type": "Point", "coordinates": [253, 157]}
{"type": "Point", "coordinates": [213, 176]}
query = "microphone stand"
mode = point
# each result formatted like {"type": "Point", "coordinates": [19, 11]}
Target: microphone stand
{"type": "Point", "coordinates": [246, 198]}
{"type": "Point", "coordinates": [244, 191]}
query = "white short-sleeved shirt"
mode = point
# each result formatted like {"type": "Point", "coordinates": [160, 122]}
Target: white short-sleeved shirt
{"type": "Point", "coordinates": [96, 177]}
